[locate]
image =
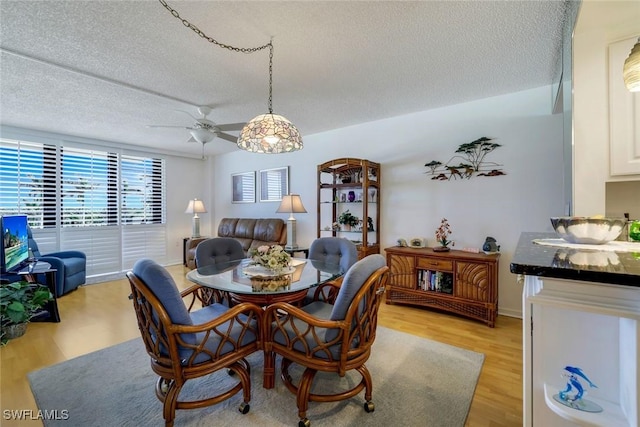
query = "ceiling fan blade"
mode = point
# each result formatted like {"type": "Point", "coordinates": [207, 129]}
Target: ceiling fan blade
{"type": "Point", "coordinates": [228, 137]}
{"type": "Point", "coordinates": [164, 126]}
{"type": "Point", "coordinates": [231, 126]}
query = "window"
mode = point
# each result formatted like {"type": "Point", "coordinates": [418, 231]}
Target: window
{"type": "Point", "coordinates": [107, 204]}
{"type": "Point", "coordinates": [274, 183]}
{"type": "Point", "coordinates": [28, 181]}
{"type": "Point", "coordinates": [88, 184]}
{"type": "Point", "coordinates": [142, 190]}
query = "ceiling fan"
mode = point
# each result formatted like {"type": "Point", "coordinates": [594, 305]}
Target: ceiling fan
{"type": "Point", "coordinates": [204, 130]}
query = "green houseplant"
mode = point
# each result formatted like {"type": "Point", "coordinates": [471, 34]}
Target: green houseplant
{"type": "Point", "coordinates": [19, 302]}
{"type": "Point", "coordinates": [347, 219]}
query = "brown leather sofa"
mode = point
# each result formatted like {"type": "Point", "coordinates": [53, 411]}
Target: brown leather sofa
{"type": "Point", "coordinates": [250, 232]}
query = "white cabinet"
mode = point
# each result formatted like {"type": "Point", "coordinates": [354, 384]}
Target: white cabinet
{"type": "Point", "coordinates": [593, 326]}
{"type": "Point", "coordinates": [624, 115]}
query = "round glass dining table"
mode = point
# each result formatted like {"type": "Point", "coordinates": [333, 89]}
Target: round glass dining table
{"type": "Point", "coordinates": [243, 282]}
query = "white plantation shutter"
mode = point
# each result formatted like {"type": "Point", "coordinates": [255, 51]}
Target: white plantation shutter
{"type": "Point", "coordinates": [28, 181]}
{"type": "Point", "coordinates": [89, 189]}
{"type": "Point", "coordinates": [106, 204]}
{"type": "Point", "coordinates": [142, 185]}
{"type": "Point", "coordinates": [143, 241]}
{"type": "Point", "coordinates": [101, 245]}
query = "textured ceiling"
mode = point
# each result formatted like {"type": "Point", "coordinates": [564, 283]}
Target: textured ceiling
{"type": "Point", "coordinates": [106, 69]}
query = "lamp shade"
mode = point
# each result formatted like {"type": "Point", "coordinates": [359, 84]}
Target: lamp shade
{"type": "Point", "coordinates": [195, 206]}
{"type": "Point", "coordinates": [631, 69]}
{"type": "Point", "coordinates": [291, 203]}
{"type": "Point", "coordinates": [271, 134]}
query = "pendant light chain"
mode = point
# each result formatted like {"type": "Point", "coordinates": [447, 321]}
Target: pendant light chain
{"type": "Point", "coordinates": [199, 32]}
{"type": "Point", "coordinates": [265, 133]}
{"type": "Point", "coordinates": [270, 77]}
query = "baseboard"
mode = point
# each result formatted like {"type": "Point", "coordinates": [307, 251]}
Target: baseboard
{"type": "Point", "coordinates": [510, 313]}
{"type": "Point", "coordinates": [107, 277]}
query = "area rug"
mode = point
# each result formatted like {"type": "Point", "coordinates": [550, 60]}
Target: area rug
{"type": "Point", "coordinates": [415, 382]}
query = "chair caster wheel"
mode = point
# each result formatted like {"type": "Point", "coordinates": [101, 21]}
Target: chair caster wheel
{"type": "Point", "coordinates": [369, 407]}
{"type": "Point", "coordinates": [244, 408]}
{"type": "Point", "coordinates": [304, 423]}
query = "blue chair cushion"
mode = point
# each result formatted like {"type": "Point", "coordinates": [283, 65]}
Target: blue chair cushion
{"type": "Point", "coordinates": [218, 250]}
{"type": "Point", "coordinates": [160, 282]}
{"type": "Point", "coordinates": [334, 250]}
{"type": "Point", "coordinates": [353, 281]}
{"type": "Point", "coordinates": [213, 342]}
{"type": "Point", "coordinates": [320, 310]}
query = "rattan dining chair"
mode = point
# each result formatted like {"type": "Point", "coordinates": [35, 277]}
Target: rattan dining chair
{"type": "Point", "coordinates": [337, 251]}
{"type": "Point", "coordinates": [217, 251]}
{"type": "Point", "coordinates": [325, 337]}
{"type": "Point", "coordinates": [184, 343]}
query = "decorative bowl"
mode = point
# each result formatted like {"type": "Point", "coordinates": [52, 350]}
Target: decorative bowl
{"type": "Point", "coordinates": [586, 230]}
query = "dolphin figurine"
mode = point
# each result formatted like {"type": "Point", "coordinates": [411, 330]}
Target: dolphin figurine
{"type": "Point", "coordinates": [573, 375]}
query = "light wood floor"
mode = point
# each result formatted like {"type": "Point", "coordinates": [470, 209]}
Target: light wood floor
{"type": "Point", "coordinates": [98, 316]}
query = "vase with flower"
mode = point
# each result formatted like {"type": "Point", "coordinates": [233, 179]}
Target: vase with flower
{"type": "Point", "coordinates": [273, 258]}
{"type": "Point", "coordinates": [269, 270]}
{"type": "Point", "coordinates": [442, 234]}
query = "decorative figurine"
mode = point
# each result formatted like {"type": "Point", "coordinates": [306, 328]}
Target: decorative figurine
{"type": "Point", "coordinates": [572, 395]}
{"type": "Point", "coordinates": [490, 245]}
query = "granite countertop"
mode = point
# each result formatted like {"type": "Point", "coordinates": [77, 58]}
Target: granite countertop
{"type": "Point", "coordinates": [617, 268]}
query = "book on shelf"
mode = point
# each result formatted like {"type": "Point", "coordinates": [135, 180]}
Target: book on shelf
{"type": "Point", "coordinates": [435, 281]}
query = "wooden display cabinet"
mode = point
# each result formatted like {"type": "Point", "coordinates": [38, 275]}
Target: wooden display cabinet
{"type": "Point", "coordinates": [459, 282]}
{"type": "Point", "coordinates": [353, 185]}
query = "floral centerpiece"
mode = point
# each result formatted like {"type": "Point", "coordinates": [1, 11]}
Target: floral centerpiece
{"type": "Point", "coordinates": [272, 257]}
{"type": "Point", "coordinates": [441, 236]}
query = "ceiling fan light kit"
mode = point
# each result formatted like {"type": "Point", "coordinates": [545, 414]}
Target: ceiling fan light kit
{"type": "Point", "coordinates": [266, 133]}
{"type": "Point", "coordinates": [202, 135]}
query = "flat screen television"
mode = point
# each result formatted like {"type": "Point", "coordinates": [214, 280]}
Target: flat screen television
{"type": "Point", "coordinates": [15, 243]}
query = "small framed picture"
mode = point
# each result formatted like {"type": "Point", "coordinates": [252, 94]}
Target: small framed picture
{"type": "Point", "coordinates": [243, 187]}
{"type": "Point", "coordinates": [417, 242]}
{"type": "Point", "coordinates": [274, 183]}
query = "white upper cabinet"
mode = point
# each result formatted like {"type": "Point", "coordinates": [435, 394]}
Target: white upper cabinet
{"type": "Point", "coordinates": [624, 114]}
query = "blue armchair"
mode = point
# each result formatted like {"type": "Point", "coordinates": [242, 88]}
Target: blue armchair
{"type": "Point", "coordinates": [71, 266]}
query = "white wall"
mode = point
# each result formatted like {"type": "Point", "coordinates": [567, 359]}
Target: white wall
{"type": "Point", "coordinates": [599, 24]}
{"type": "Point", "coordinates": [412, 203]}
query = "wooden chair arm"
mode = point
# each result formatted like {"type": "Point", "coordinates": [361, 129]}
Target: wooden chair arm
{"type": "Point", "coordinates": [245, 320]}
{"type": "Point", "coordinates": [250, 310]}
{"type": "Point", "coordinates": [328, 291]}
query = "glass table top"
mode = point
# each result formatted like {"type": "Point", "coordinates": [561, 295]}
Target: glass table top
{"type": "Point", "coordinates": [232, 277]}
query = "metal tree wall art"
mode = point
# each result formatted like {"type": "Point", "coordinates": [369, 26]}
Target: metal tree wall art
{"type": "Point", "coordinates": [469, 162]}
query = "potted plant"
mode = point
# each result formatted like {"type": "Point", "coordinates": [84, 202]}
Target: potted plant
{"type": "Point", "coordinates": [19, 302]}
{"type": "Point", "coordinates": [442, 234]}
{"type": "Point", "coordinates": [347, 219]}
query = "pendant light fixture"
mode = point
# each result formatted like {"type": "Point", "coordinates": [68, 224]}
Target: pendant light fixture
{"type": "Point", "coordinates": [631, 69]}
{"type": "Point", "coordinates": [266, 133]}
{"type": "Point", "coordinates": [270, 133]}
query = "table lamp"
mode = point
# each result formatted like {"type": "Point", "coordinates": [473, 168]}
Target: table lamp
{"type": "Point", "coordinates": [291, 204]}
{"type": "Point", "coordinates": [195, 207]}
